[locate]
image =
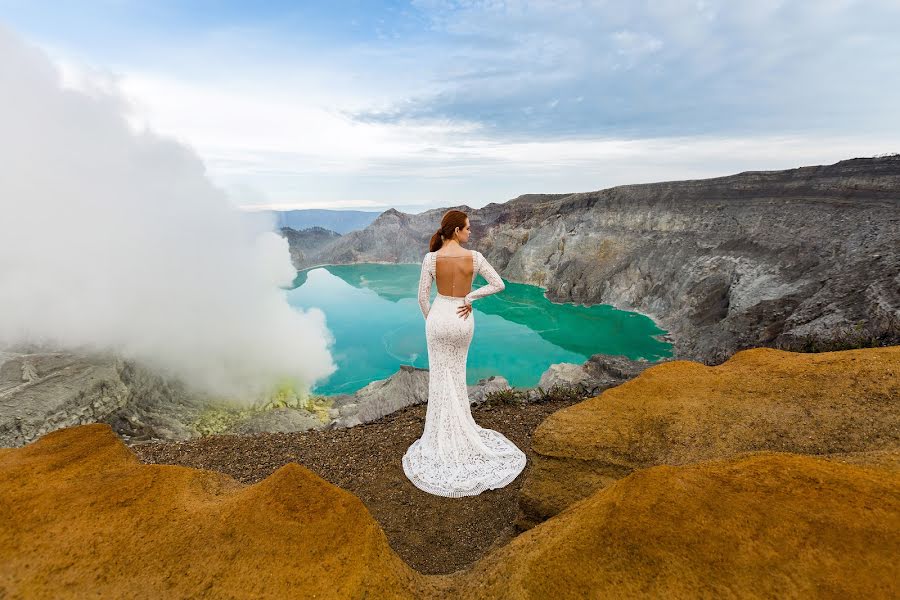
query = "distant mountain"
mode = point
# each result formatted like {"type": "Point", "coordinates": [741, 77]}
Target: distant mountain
{"type": "Point", "coordinates": [306, 241]}
{"type": "Point", "coordinates": [725, 263]}
{"type": "Point", "coordinates": [341, 221]}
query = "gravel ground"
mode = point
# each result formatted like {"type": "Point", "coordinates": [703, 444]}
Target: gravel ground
{"type": "Point", "coordinates": [434, 535]}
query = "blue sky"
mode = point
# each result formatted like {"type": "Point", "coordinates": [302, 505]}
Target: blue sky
{"type": "Point", "coordinates": [423, 104]}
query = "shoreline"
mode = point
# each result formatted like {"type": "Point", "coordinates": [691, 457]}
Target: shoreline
{"type": "Point", "coordinates": [666, 336]}
{"type": "Point", "coordinates": [657, 321]}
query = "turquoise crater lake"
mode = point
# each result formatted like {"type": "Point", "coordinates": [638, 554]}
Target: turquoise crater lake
{"type": "Point", "coordinates": [372, 311]}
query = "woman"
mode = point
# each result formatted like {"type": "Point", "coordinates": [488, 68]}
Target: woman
{"type": "Point", "coordinates": [455, 456]}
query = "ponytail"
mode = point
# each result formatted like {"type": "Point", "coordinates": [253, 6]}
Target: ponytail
{"type": "Point", "coordinates": [436, 241]}
{"type": "Point", "coordinates": [452, 220]}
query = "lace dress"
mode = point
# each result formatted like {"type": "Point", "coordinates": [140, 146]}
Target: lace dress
{"type": "Point", "coordinates": [455, 456]}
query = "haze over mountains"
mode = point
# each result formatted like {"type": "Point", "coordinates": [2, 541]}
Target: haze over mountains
{"type": "Point", "coordinates": [341, 221]}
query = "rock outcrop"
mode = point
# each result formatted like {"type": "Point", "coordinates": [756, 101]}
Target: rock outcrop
{"type": "Point", "coordinates": [599, 372]}
{"type": "Point", "coordinates": [406, 387]}
{"type": "Point", "coordinates": [40, 392]}
{"type": "Point", "coordinates": [44, 391]}
{"type": "Point", "coordinates": [682, 412]}
{"type": "Point", "coordinates": [277, 420]}
{"type": "Point", "coordinates": [760, 258]}
{"type": "Point", "coordinates": [81, 515]}
{"type": "Point", "coordinates": [306, 242]}
{"type": "Point", "coordinates": [758, 525]}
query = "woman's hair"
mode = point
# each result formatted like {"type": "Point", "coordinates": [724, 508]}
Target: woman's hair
{"type": "Point", "coordinates": [450, 221]}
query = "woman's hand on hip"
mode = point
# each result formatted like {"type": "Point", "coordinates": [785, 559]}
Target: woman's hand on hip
{"type": "Point", "coordinates": [464, 310]}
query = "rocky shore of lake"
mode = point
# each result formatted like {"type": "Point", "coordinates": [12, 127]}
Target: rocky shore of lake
{"type": "Point", "coordinates": [44, 391]}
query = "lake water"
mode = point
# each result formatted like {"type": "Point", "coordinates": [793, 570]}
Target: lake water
{"type": "Point", "coordinates": [373, 313]}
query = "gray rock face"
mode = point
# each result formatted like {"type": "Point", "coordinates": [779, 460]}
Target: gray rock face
{"type": "Point", "coordinates": [157, 408]}
{"type": "Point", "coordinates": [393, 237]}
{"type": "Point", "coordinates": [753, 259]}
{"type": "Point", "coordinates": [278, 420]}
{"type": "Point", "coordinates": [42, 392]}
{"type": "Point", "coordinates": [598, 373]}
{"type": "Point", "coordinates": [305, 241]}
{"type": "Point", "coordinates": [406, 387]}
{"type": "Point", "coordinates": [478, 392]}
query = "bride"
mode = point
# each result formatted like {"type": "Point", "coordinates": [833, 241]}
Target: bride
{"type": "Point", "coordinates": [455, 456]}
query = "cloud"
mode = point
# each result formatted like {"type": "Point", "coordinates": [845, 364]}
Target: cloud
{"type": "Point", "coordinates": [476, 102]}
{"type": "Point", "coordinates": [115, 239]}
{"type": "Point", "coordinates": [665, 68]}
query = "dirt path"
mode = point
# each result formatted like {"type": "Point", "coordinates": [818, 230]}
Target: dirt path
{"type": "Point", "coordinates": [431, 533]}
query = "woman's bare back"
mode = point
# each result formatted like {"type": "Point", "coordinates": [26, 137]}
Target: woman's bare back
{"type": "Point", "coordinates": [453, 274]}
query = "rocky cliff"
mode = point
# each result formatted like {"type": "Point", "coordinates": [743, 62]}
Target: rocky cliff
{"type": "Point", "coordinates": [760, 258]}
{"type": "Point", "coordinates": [307, 241]}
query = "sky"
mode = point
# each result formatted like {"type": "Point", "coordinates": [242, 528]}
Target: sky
{"type": "Point", "coordinates": [424, 104]}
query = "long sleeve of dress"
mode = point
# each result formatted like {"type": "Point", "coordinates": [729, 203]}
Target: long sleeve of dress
{"type": "Point", "coordinates": [494, 283]}
{"type": "Point", "coordinates": [425, 279]}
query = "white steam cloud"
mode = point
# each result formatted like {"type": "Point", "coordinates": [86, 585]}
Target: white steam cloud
{"type": "Point", "coordinates": [115, 240]}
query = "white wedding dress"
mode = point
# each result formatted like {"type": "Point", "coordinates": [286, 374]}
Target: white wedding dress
{"type": "Point", "coordinates": [455, 456]}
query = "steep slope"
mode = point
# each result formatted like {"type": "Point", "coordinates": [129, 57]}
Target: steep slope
{"type": "Point", "coordinates": [756, 258]}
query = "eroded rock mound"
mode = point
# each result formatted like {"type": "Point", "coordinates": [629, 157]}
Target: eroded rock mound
{"type": "Point", "coordinates": [759, 525]}
{"type": "Point", "coordinates": [681, 412]}
{"type": "Point", "coordinates": [81, 515]}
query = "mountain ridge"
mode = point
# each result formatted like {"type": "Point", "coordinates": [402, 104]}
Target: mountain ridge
{"type": "Point", "coordinates": [737, 261]}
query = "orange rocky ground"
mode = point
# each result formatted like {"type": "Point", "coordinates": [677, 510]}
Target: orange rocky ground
{"type": "Point", "coordinates": [681, 412]}
{"type": "Point", "coordinates": [81, 516]}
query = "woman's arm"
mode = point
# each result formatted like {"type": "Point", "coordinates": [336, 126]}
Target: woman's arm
{"type": "Point", "coordinates": [494, 285]}
{"type": "Point", "coordinates": [425, 279]}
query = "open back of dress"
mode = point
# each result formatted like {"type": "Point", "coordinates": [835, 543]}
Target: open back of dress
{"type": "Point", "coordinates": [454, 274]}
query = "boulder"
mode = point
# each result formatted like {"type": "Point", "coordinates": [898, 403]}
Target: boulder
{"type": "Point", "coordinates": [562, 374]}
{"type": "Point", "coordinates": [408, 386]}
{"type": "Point", "coordinates": [599, 372]}
{"type": "Point", "coordinates": [478, 392]}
